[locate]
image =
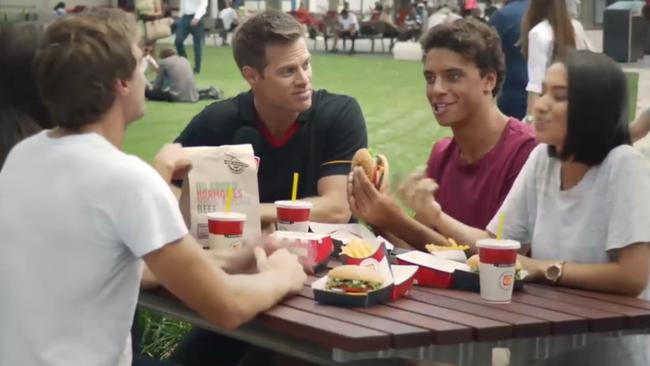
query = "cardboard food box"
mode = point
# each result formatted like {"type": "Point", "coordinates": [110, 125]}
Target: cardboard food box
{"type": "Point", "coordinates": [433, 271]}
{"type": "Point", "coordinates": [342, 233]}
{"type": "Point", "coordinates": [397, 284]}
{"type": "Point", "coordinates": [316, 247]}
{"type": "Point", "coordinates": [469, 281]}
{"type": "Point", "coordinates": [453, 255]}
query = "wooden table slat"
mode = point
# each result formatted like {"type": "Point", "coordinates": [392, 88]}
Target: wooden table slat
{"type": "Point", "coordinates": [442, 332]}
{"type": "Point", "coordinates": [599, 321]}
{"type": "Point", "coordinates": [634, 317]}
{"type": "Point", "coordinates": [402, 335]}
{"type": "Point", "coordinates": [561, 323]}
{"type": "Point", "coordinates": [484, 329]}
{"type": "Point", "coordinates": [523, 326]}
{"type": "Point", "coordinates": [616, 299]}
{"type": "Point", "coordinates": [324, 330]}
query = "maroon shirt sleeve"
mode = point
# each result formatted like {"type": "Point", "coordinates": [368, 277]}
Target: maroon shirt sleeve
{"type": "Point", "coordinates": [433, 164]}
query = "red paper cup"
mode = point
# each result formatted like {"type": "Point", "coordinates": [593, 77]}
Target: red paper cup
{"type": "Point", "coordinates": [293, 215]}
{"type": "Point", "coordinates": [497, 260]}
{"type": "Point", "coordinates": [226, 230]}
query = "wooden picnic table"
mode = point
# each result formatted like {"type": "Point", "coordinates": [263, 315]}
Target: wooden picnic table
{"type": "Point", "coordinates": [433, 324]}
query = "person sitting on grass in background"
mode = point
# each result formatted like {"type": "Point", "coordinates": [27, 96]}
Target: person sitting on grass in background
{"type": "Point", "coordinates": [175, 80]}
{"type": "Point", "coordinates": [22, 112]}
{"type": "Point", "coordinates": [117, 210]}
{"type": "Point", "coordinates": [475, 168]}
{"type": "Point", "coordinates": [349, 30]}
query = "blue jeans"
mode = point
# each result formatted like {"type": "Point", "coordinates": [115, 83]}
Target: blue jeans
{"type": "Point", "coordinates": [183, 29]}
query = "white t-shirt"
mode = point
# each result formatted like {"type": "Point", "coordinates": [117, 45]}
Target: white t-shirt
{"type": "Point", "coordinates": [607, 210]}
{"type": "Point", "coordinates": [347, 23]}
{"type": "Point", "coordinates": [228, 16]}
{"type": "Point", "coordinates": [540, 51]}
{"type": "Point", "coordinates": [76, 216]}
{"type": "Point", "coordinates": [442, 16]}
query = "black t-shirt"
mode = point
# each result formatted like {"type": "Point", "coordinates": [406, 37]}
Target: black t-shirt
{"type": "Point", "coordinates": [329, 134]}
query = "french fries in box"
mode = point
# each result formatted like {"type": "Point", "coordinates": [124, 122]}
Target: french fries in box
{"type": "Point", "coordinates": [453, 251]}
{"type": "Point", "coordinates": [360, 249]}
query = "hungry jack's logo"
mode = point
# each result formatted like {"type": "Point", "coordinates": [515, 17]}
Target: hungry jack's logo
{"type": "Point", "coordinates": [506, 280]}
{"type": "Point", "coordinates": [234, 164]}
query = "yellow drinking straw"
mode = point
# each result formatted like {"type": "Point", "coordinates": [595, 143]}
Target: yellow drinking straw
{"type": "Point", "coordinates": [502, 221]}
{"type": "Point", "coordinates": [294, 189]}
{"type": "Point", "coordinates": [229, 195]}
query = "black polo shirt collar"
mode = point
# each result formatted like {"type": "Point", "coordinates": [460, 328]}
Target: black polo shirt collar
{"type": "Point", "coordinates": [248, 114]}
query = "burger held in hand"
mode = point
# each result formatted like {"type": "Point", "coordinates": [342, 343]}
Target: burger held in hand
{"type": "Point", "coordinates": [376, 168]}
{"type": "Point", "coordinates": [353, 279]}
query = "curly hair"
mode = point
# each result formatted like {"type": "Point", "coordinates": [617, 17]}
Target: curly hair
{"type": "Point", "coordinates": [474, 40]}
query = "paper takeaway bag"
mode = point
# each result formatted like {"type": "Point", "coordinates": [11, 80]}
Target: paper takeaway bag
{"type": "Point", "coordinates": [205, 189]}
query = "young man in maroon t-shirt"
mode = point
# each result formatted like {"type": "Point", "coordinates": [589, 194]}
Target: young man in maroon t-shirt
{"type": "Point", "coordinates": [474, 170]}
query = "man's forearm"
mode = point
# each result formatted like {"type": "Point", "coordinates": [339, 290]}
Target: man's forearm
{"type": "Point", "coordinates": [328, 210]}
{"type": "Point", "coordinates": [225, 300]}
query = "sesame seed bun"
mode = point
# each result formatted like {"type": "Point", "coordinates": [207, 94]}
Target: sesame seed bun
{"type": "Point", "coordinates": [359, 273]}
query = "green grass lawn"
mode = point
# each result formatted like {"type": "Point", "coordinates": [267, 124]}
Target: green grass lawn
{"type": "Point", "coordinates": [391, 94]}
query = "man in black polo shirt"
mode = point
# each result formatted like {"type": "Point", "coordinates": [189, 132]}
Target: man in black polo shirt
{"type": "Point", "coordinates": [291, 127]}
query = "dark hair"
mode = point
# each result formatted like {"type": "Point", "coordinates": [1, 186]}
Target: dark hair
{"type": "Point", "coordinates": [22, 112]}
{"type": "Point", "coordinates": [260, 31]}
{"type": "Point", "coordinates": [166, 52]}
{"type": "Point", "coordinates": [597, 110]}
{"type": "Point", "coordinates": [475, 41]}
{"type": "Point", "coordinates": [556, 13]}
{"type": "Point", "coordinates": [59, 5]}
{"type": "Point", "coordinates": [79, 61]}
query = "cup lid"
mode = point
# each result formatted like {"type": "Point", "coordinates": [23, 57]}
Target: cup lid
{"type": "Point", "coordinates": [226, 216]}
{"type": "Point", "coordinates": [294, 204]}
{"type": "Point", "coordinates": [502, 244]}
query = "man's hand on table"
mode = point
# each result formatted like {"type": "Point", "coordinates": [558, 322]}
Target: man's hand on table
{"type": "Point", "coordinates": [283, 262]}
{"type": "Point", "coordinates": [243, 260]}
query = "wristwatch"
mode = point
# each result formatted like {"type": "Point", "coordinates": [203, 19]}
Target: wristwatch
{"type": "Point", "coordinates": [554, 272]}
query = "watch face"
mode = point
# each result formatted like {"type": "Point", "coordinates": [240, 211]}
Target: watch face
{"type": "Point", "coordinates": [553, 272]}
